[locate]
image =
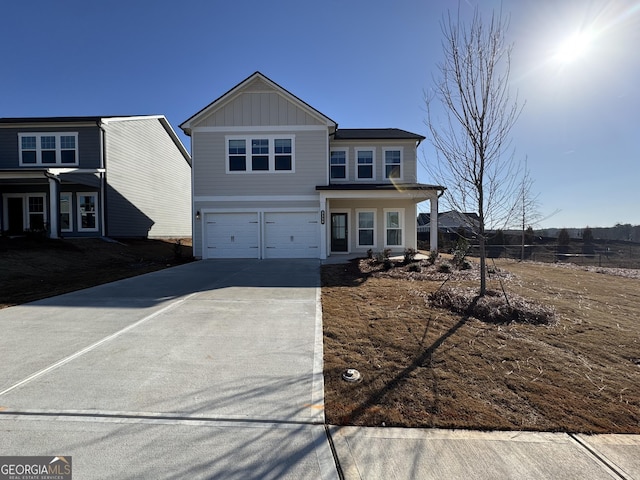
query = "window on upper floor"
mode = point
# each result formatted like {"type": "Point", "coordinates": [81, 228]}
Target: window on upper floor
{"type": "Point", "coordinates": [338, 164]}
{"type": "Point", "coordinates": [392, 163]}
{"type": "Point", "coordinates": [283, 154]}
{"type": "Point", "coordinates": [48, 148]}
{"type": "Point", "coordinates": [365, 164]}
{"type": "Point", "coordinates": [237, 154]}
{"type": "Point", "coordinates": [266, 154]}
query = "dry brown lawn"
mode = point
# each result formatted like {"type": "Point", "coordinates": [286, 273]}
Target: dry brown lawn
{"type": "Point", "coordinates": [35, 268]}
{"type": "Point", "coordinates": [427, 367]}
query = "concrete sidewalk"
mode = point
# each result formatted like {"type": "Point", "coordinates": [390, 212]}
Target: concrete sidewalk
{"type": "Point", "coordinates": [397, 453]}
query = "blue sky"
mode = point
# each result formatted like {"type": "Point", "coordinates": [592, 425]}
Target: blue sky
{"type": "Point", "coordinates": [364, 63]}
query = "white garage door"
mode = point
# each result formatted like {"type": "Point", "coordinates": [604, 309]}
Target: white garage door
{"type": "Point", "coordinates": [292, 235]}
{"type": "Point", "coordinates": [232, 235]}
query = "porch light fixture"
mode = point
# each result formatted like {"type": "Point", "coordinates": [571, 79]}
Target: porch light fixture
{"type": "Point", "coordinates": [322, 217]}
{"type": "Point", "coordinates": [198, 215]}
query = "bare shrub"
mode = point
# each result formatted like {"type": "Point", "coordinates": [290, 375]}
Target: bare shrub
{"type": "Point", "coordinates": [493, 307]}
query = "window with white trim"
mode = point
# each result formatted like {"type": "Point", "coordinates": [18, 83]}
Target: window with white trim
{"type": "Point", "coordinates": [66, 218]}
{"type": "Point", "coordinates": [260, 154]}
{"type": "Point", "coordinates": [87, 212]}
{"type": "Point", "coordinates": [237, 154]}
{"type": "Point", "coordinates": [393, 227]}
{"type": "Point", "coordinates": [48, 148]}
{"type": "Point", "coordinates": [366, 228]}
{"type": "Point", "coordinates": [35, 212]}
{"type": "Point", "coordinates": [338, 164]}
{"type": "Point", "coordinates": [283, 154]}
{"type": "Point", "coordinates": [392, 163]}
{"type": "Point", "coordinates": [266, 154]}
{"type": "Point", "coordinates": [365, 164]}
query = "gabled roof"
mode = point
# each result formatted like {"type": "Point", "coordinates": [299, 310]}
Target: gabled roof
{"type": "Point", "coordinates": [187, 124]}
{"type": "Point", "coordinates": [375, 134]}
{"type": "Point", "coordinates": [8, 122]}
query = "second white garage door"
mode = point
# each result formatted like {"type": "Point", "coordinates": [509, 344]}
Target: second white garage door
{"type": "Point", "coordinates": [291, 235]}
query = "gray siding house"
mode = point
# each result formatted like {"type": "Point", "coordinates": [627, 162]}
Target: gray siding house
{"type": "Point", "coordinates": [94, 176]}
{"type": "Point", "coordinates": [275, 178]}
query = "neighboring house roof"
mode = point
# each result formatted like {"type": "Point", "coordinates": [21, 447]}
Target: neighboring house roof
{"type": "Point", "coordinates": [187, 125]}
{"type": "Point", "coordinates": [450, 220]}
{"type": "Point", "coordinates": [375, 134]}
{"type": "Point", "coordinates": [424, 218]}
{"type": "Point", "coordinates": [98, 120]}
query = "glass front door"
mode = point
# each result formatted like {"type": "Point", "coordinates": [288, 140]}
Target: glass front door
{"type": "Point", "coordinates": [339, 232]}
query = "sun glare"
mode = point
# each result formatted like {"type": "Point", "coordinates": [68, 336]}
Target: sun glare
{"type": "Point", "coordinates": [574, 48]}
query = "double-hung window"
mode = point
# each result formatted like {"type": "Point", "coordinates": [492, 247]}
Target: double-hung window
{"type": "Point", "coordinates": [283, 154]}
{"type": "Point", "coordinates": [237, 155]}
{"type": "Point", "coordinates": [393, 226]}
{"type": "Point", "coordinates": [68, 149]}
{"type": "Point", "coordinates": [28, 150]}
{"type": "Point", "coordinates": [260, 154]}
{"type": "Point", "coordinates": [365, 164]}
{"type": "Point", "coordinates": [366, 228]}
{"type": "Point", "coordinates": [392, 163]}
{"type": "Point", "coordinates": [35, 211]}
{"type": "Point", "coordinates": [46, 148]}
{"type": "Point", "coordinates": [338, 164]}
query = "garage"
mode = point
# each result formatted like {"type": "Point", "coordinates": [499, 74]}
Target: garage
{"type": "Point", "coordinates": [232, 235]}
{"type": "Point", "coordinates": [291, 235]}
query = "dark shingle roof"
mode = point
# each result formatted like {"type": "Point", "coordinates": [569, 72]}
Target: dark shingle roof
{"type": "Point", "coordinates": [62, 119]}
{"type": "Point", "coordinates": [379, 186]}
{"type": "Point", "coordinates": [375, 134]}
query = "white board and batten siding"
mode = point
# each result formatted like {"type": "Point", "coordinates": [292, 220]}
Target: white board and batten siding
{"type": "Point", "coordinates": [261, 235]}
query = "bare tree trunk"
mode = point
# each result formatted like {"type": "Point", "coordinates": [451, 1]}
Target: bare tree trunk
{"type": "Point", "coordinates": [483, 266]}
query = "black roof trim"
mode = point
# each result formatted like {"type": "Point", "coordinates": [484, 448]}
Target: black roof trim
{"type": "Point", "coordinates": [375, 134]}
{"type": "Point", "coordinates": [66, 119]}
{"type": "Point", "coordinates": [379, 186]}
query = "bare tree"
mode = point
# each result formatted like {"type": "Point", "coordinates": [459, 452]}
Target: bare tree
{"type": "Point", "coordinates": [528, 207]}
{"type": "Point", "coordinates": [472, 142]}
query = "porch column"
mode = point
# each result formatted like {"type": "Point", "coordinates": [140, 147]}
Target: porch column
{"type": "Point", "coordinates": [54, 201]}
{"type": "Point", "coordinates": [433, 224]}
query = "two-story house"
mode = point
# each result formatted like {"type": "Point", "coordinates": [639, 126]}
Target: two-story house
{"type": "Point", "coordinates": [275, 178]}
{"type": "Point", "coordinates": [94, 176]}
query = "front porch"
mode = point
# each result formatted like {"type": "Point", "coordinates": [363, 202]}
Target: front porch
{"type": "Point", "coordinates": [53, 201]}
{"type": "Point", "coordinates": [357, 218]}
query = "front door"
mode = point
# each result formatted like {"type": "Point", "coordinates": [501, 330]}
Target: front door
{"type": "Point", "coordinates": [15, 214]}
{"type": "Point", "coordinates": [339, 233]}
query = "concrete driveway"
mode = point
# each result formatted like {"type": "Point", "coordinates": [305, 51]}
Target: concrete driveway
{"type": "Point", "coordinates": [208, 370]}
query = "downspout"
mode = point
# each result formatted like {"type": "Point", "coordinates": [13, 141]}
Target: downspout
{"type": "Point", "coordinates": [103, 181]}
